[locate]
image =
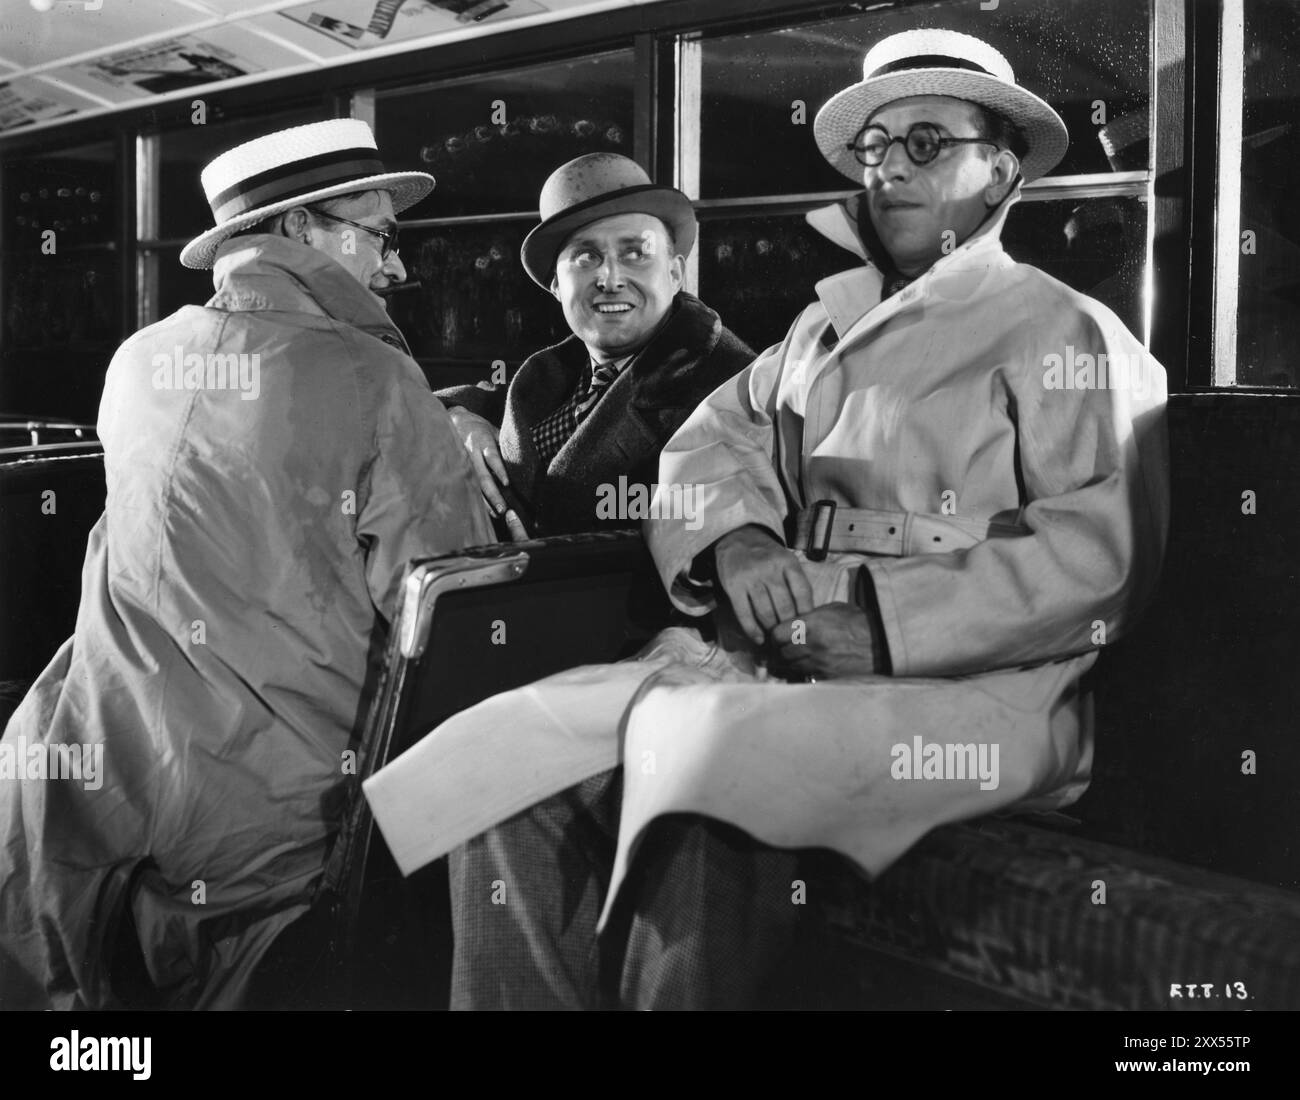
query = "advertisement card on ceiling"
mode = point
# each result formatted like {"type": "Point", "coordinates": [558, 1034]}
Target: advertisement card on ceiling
{"type": "Point", "coordinates": [360, 24]}
{"type": "Point", "coordinates": [161, 67]}
{"type": "Point", "coordinates": [23, 107]}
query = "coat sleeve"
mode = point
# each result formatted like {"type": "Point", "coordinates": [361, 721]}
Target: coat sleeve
{"type": "Point", "coordinates": [1095, 500]}
{"type": "Point", "coordinates": [483, 398]}
{"type": "Point", "coordinates": [418, 495]}
{"type": "Point", "coordinates": [721, 465]}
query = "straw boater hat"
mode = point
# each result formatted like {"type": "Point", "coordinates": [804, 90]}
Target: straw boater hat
{"type": "Point", "coordinates": [295, 167]}
{"type": "Point", "coordinates": [595, 186]}
{"type": "Point", "coordinates": [937, 62]}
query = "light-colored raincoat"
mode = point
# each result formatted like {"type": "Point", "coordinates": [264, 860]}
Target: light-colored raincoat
{"type": "Point", "coordinates": [235, 596]}
{"type": "Point", "coordinates": [983, 394]}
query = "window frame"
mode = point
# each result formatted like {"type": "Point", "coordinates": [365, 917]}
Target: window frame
{"type": "Point", "coordinates": [1183, 190]}
{"type": "Point", "coordinates": [1214, 155]}
{"type": "Point", "coordinates": [1126, 184]}
{"type": "Point", "coordinates": [364, 104]}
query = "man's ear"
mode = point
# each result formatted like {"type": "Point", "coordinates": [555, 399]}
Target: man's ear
{"type": "Point", "coordinates": [555, 286]}
{"type": "Point", "coordinates": [1005, 172]}
{"type": "Point", "coordinates": [677, 271]}
{"type": "Point", "coordinates": [296, 223]}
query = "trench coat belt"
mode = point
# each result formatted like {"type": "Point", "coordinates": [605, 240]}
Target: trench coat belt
{"type": "Point", "coordinates": [830, 528]}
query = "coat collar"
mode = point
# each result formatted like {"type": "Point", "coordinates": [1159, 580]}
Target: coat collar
{"type": "Point", "coordinates": [688, 335]}
{"type": "Point", "coordinates": [849, 296]}
{"type": "Point", "coordinates": [264, 272]}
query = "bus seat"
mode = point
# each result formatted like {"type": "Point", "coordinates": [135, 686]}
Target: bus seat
{"type": "Point", "coordinates": [470, 625]}
{"type": "Point", "coordinates": [1006, 912]}
{"type": "Point", "coordinates": [48, 504]}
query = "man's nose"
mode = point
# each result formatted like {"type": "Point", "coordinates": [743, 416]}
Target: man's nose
{"type": "Point", "coordinates": [897, 164]}
{"type": "Point", "coordinates": [610, 274]}
{"type": "Point", "coordinates": [394, 268]}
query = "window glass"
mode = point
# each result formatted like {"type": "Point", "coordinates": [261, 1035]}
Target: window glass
{"type": "Point", "coordinates": [759, 272]}
{"type": "Point", "coordinates": [60, 328]}
{"type": "Point", "coordinates": [60, 294]}
{"type": "Point", "coordinates": [1087, 58]}
{"type": "Point", "coordinates": [186, 151]}
{"type": "Point", "coordinates": [1268, 313]}
{"type": "Point", "coordinates": [1097, 246]}
{"type": "Point", "coordinates": [491, 143]}
{"type": "Point", "coordinates": [177, 285]}
{"type": "Point", "coordinates": [476, 304]}
{"type": "Point", "coordinates": [72, 191]}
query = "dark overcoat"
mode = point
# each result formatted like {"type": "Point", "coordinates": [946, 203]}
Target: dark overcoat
{"type": "Point", "coordinates": [686, 360]}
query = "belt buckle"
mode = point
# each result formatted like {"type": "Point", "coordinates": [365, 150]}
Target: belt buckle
{"type": "Point", "coordinates": [819, 530]}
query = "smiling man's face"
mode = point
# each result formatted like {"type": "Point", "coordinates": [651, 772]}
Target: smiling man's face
{"type": "Point", "coordinates": [912, 205]}
{"type": "Point", "coordinates": [616, 279]}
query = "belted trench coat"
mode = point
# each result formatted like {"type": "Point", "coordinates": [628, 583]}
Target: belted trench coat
{"type": "Point", "coordinates": [985, 391]}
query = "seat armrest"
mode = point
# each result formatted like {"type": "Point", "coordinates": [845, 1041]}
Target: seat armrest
{"type": "Point", "coordinates": [560, 556]}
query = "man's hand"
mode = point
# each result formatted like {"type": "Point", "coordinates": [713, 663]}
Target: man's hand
{"type": "Point", "coordinates": [838, 640]}
{"type": "Point", "coordinates": [763, 581]}
{"type": "Point", "coordinates": [480, 440]}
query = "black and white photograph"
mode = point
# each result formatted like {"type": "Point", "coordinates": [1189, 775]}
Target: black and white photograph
{"type": "Point", "coordinates": [761, 506]}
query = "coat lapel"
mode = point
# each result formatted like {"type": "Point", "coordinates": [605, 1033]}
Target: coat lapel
{"type": "Point", "coordinates": [625, 426]}
{"type": "Point", "coordinates": [626, 430]}
{"type": "Point", "coordinates": [543, 381]}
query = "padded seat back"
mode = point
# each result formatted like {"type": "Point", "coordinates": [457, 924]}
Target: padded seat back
{"type": "Point", "coordinates": [505, 616]}
{"type": "Point", "coordinates": [47, 507]}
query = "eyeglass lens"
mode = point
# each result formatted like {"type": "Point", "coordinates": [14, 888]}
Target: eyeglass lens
{"type": "Point", "coordinates": [921, 143]}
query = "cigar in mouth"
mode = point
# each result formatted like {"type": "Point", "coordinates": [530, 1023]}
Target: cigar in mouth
{"type": "Point", "coordinates": [397, 288]}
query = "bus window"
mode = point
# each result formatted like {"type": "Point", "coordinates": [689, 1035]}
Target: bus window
{"type": "Point", "coordinates": [490, 142]}
{"type": "Point", "coordinates": [1089, 59]}
{"type": "Point", "coordinates": [1263, 304]}
{"type": "Point", "coordinates": [59, 270]}
{"type": "Point", "coordinates": [751, 158]}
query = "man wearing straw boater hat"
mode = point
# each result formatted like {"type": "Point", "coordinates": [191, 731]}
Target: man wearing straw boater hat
{"type": "Point", "coordinates": [274, 458]}
{"type": "Point", "coordinates": [923, 513]}
{"type": "Point", "coordinates": [582, 423]}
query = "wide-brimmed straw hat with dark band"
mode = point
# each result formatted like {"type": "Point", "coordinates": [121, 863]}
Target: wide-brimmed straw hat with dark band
{"type": "Point", "coordinates": [947, 63]}
{"type": "Point", "coordinates": [595, 186]}
{"type": "Point", "coordinates": [295, 167]}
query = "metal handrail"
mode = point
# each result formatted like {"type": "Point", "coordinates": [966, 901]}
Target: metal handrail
{"type": "Point", "coordinates": [35, 427]}
{"type": "Point", "coordinates": [49, 448]}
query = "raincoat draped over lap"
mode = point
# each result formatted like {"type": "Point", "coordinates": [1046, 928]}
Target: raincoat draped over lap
{"type": "Point", "coordinates": [235, 596]}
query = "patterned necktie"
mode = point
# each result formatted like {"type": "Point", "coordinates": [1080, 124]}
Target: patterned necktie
{"type": "Point", "coordinates": [601, 377]}
{"type": "Point", "coordinates": [552, 432]}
